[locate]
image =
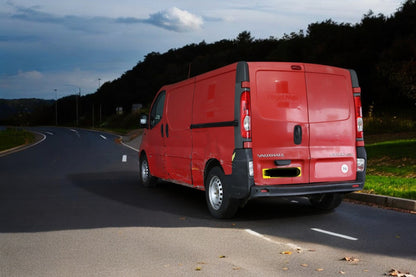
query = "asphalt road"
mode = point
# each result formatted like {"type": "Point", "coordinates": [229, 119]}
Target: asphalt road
{"type": "Point", "coordinates": [72, 206]}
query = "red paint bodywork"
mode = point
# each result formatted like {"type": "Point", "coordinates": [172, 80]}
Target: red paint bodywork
{"type": "Point", "coordinates": [317, 98]}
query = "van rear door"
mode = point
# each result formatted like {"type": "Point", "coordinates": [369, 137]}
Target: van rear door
{"type": "Point", "coordinates": [332, 124]}
{"type": "Point", "coordinates": [303, 118]}
{"type": "Point", "coordinates": [280, 135]}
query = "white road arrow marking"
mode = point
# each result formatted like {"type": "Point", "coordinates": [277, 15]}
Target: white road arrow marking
{"type": "Point", "coordinates": [103, 137]}
{"type": "Point", "coordinates": [124, 159]}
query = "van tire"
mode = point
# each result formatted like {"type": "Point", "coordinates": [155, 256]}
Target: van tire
{"type": "Point", "coordinates": [326, 202]}
{"type": "Point", "coordinates": [217, 195]}
{"type": "Point", "coordinates": [145, 176]}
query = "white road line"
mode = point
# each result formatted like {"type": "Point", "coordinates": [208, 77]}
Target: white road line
{"type": "Point", "coordinates": [103, 137]}
{"type": "Point", "coordinates": [254, 233]}
{"type": "Point", "coordinates": [132, 148]}
{"type": "Point", "coordinates": [49, 133]}
{"type": "Point", "coordinates": [333, 234]}
{"type": "Point", "coordinates": [76, 132]}
{"type": "Point", "coordinates": [10, 151]}
{"type": "Point", "coordinates": [124, 158]}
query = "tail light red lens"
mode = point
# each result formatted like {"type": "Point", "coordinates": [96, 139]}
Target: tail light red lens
{"type": "Point", "coordinates": [245, 115]}
{"type": "Point", "coordinates": [359, 117]}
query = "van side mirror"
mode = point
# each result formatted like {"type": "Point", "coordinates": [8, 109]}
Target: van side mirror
{"type": "Point", "coordinates": [144, 121]}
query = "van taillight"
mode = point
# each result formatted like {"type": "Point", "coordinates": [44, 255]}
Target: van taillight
{"type": "Point", "coordinates": [359, 115]}
{"type": "Point", "coordinates": [245, 115]}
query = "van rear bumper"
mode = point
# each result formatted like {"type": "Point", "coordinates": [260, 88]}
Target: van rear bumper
{"type": "Point", "coordinates": [304, 189]}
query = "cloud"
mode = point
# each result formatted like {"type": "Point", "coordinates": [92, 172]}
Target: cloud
{"type": "Point", "coordinates": [72, 22]}
{"type": "Point", "coordinates": [173, 19]}
{"type": "Point", "coordinates": [30, 75]}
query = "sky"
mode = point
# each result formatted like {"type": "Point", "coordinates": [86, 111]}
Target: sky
{"type": "Point", "coordinates": [50, 49]}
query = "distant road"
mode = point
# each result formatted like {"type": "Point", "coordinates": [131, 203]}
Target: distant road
{"type": "Point", "coordinates": [72, 206]}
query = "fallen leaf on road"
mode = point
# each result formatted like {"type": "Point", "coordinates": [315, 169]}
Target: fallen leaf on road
{"type": "Point", "coordinates": [304, 265]}
{"type": "Point", "coordinates": [319, 269]}
{"type": "Point", "coordinates": [342, 272]}
{"type": "Point", "coordinates": [395, 272]}
{"type": "Point", "coordinates": [285, 269]}
{"type": "Point", "coordinates": [198, 268]}
{"type": "Point", "coordinates": [286, 253]}
{"type": "Point", "coordinates": [350, 259]}
{"type": "Point", "coordinates": [222, 257]}
{"type": "Point", "coordinates": [236, 268]}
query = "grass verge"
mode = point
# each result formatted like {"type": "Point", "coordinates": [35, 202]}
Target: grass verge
{"type": "Point", "coordinates": [391, 168]}
{"type": "Point", "coordinates": [13, 137]}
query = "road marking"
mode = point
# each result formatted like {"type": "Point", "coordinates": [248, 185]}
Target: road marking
{"type": "Point", "coordinates": [124, 158]}
{"type": "Point", "coordinates": [103, 137]}
{"type": "Point", "coordinates": [254, 233]}
{"type": "Point", "coordinates": [15, 149]}
{"type": "Point", "coordinates": [49, 133]}
{"type": "Point", "coordinates": [132, 148]}
{"type": "Point", "coordinates": [76, 132]}
{"type": "Point", "coordinates": [333, 234]}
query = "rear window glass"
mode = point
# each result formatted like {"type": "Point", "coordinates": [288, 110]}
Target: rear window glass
{"type": "Point", "coordinates": [281, 95]}
{"type": "Point", "coordinates": [328, 97]}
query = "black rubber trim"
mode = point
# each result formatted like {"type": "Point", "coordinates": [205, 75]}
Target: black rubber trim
{"type": "Point", "coordinates": [354, 79]}
{"type": "Point", "coordinates": [215, 124]}
{"type": "Point", "coordinates": [305, 189]}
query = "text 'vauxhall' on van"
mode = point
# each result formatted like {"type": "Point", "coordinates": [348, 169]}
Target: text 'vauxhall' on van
{"type": "Point", "coordinates": [258, 129]}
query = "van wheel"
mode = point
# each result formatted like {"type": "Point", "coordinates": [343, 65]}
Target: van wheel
{"type": "Point", "coordinates": [220, 205]}
{"type": "Point", "coordinates": [144, 175]}
{"type": "Point", "coordinates": [327, 201]}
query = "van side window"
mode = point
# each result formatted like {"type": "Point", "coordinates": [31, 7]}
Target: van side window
{"type": "Point", "coordinates": [157, 110]}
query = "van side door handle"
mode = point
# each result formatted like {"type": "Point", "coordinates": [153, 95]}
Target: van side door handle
{"type": "Point", "coordinates": [297, 134]}
{"type": "Point", "coordinates": [161, 130]}
{"type": "Point", "coordinates": [167, 130]}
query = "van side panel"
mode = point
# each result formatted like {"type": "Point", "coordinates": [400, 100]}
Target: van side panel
{"type": "Point", "coordinates": [279, 105]}
{"type": "Point", "coordinates": [178, 136]}
{"type": "Point", "coordinates": [213, 122]}
{"type": "Point", "coordinates": [332, 124]}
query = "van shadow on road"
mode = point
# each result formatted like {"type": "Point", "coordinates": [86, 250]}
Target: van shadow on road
{"type": "Point", "coordinates": [169, 199]}
{"type": "Point", "coordinates": [116, 199]}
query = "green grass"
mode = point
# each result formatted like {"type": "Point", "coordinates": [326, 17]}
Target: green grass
{"type": "Point", "coordinates": [391, 186]}
{"type": "Point", "coordinates": [392, 168]}
{"type": "Point", "coordinates": [12, 137]}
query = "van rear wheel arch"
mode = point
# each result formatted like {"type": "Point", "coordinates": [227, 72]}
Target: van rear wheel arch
{"type": "Point", "coordinates": [217, 192]}
{"type": "Point", "coordinates": [211, 163]}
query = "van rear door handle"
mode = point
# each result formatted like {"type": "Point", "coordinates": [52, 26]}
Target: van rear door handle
{"type": "Point", "coordinates": [167, 130]}
{"type": "Point", "coordinates": [161, 129]}
{"type": "Point", "coordinates": [297, 134]}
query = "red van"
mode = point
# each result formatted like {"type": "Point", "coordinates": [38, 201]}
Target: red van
{"type": "Point", "coordinates": [258, 129]}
